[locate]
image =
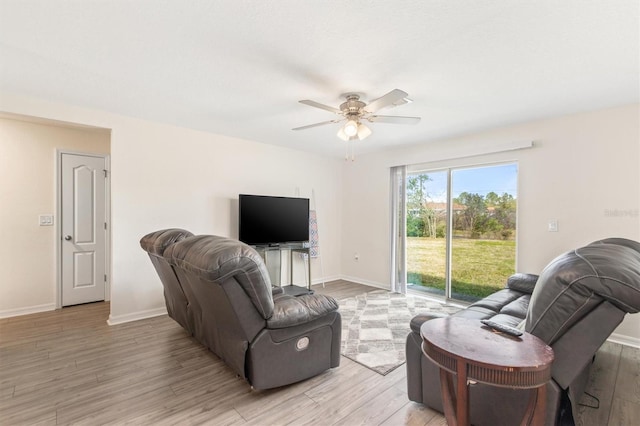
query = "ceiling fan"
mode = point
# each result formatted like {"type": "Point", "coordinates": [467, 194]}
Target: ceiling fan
{"type": "Point", "coordinates": [354, 112]}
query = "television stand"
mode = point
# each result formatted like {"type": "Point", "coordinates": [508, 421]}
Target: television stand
{"type": "Point", "coordinates": [274, 266]}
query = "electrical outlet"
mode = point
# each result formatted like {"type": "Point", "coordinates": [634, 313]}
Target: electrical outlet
{"type": "Point", "coordinates": [552, 226]}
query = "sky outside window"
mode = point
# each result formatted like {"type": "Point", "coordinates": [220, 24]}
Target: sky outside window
{"type": "Point", "coordinates": [479, 180]}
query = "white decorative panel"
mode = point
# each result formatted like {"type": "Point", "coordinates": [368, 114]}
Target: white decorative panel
{"type": "Point", "coordinates": [83, 269]}
{"type": "Point", "coordinates": [83, 205]}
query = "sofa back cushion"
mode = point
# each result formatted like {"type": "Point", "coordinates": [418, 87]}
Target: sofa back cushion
{"type": "Point", "coordinates": [157, 242]}
{"type": "Point", "coordinates": [155, 245]}
{"type": "Point", "coordinates": [217, 259]}
{"type": "Point", "coordinates": [576, 282]}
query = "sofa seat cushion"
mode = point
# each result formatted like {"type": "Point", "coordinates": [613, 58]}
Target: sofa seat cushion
{"type": "Point", "coordinates": [506, 306]}
{"type": "Point", "coordinates": [289, 311]}
{"type": "Point", "coordinates": [517, 308]}
{"type": "Point", "coordinates": [496, 301]}
{"type": "Point", "coordinates": [476, 312]}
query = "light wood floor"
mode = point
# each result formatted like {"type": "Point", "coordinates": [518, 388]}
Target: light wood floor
{"type": "Point", "coordinates": [69, 366]}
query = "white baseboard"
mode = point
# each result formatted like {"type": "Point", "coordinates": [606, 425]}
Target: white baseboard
{"type": "Point", "coordinates": [365, 282]}
{"type": "Point", "coordinates": [135, 316]}
{"type": "Point", "coordinates": [325, 280]}
{"type": "Point", "coordinates": [8, 313]}
{"type": "Point", "coordinates": [624, 340]}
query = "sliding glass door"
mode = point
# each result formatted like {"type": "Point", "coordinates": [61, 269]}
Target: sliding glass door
{"type": "Point", "coordinates": [460, 230]}
{"type": "Point", "coordinates": [427, 220]}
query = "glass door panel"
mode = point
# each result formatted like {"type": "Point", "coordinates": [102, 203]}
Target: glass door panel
{"type": "Point", "coordinates": [426, 227]}
{"type": "Point", "coordinates": [483, 247]}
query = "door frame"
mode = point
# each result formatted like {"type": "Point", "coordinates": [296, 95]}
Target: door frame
{"type": "Point", "coordinates": [58, 233]}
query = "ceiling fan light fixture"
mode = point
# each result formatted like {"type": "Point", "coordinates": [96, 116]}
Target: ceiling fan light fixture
{"type": "Point", "coordinates": [354, 112]}
{"type": "Point", "coordinates": [351, 128]}
{"type": "Point", "coordinates": [342, 135]}
{"type": "Point", "coordinates": [363, 131]}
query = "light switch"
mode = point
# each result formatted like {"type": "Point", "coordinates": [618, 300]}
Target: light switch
{"type": "Point", "coordinates": [45, 220]}
{"type": "Point", "coordinates": [553, 225]}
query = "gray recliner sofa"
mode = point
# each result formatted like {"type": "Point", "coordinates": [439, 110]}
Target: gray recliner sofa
{"type": "Point", "coordinates": [155, 244]}
{"type": "Point", "coordinates": [574, 306]}
{"type": "Point", "coordinates": [267, 337]}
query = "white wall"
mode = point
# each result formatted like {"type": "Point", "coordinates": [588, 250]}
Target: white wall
{"type": "Point", "coordinates": [581, 167]}
{"type": "Point", "coordinates": [170, 177]}
{"type": "Point", "coordinates": [163, 176]}
{"type": "Point", "coordinates": [27, 190]}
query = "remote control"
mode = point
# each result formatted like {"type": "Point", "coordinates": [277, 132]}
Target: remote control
{"type": "Point", "coordinates": [502, 328]}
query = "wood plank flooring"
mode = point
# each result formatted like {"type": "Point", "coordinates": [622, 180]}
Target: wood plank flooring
{"type": "Point", "coordinates": [70, 367]}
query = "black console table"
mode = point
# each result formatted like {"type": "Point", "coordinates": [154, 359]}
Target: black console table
{"type": "Point", "coordinates": [291, 249]}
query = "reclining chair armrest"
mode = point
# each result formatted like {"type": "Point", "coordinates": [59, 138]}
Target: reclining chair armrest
{"type": "Point", "coordinates": [414, 364]}
{"type": "Point", "coordinates": [289, 311]}
{"type": "Point", "coordinates": [418, 320]}
{"type": "Point", "coordinates": [416, 361]}
{"type": "Point", "coordinates": [523, 283]}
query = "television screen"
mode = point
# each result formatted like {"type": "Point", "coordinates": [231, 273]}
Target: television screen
{"type": "Point", "coordinates": [273, 220]}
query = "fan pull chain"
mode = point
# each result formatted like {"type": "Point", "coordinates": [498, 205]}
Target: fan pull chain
{"type": "Point", "coordinates": [349, 154]}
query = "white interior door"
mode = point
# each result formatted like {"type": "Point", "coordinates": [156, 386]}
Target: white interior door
{"type": "Point", "coordinates": [83, 233]}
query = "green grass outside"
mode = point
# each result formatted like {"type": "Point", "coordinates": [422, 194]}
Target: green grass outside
{"type": "Point", "coordinates": [479, 267]}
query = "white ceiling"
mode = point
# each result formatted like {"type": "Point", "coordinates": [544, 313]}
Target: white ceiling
{"type": "Point", "coordinates": [238, 67]}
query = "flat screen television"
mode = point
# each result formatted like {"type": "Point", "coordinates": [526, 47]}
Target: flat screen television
{"type": "Point", "coordinates": [265, 220]}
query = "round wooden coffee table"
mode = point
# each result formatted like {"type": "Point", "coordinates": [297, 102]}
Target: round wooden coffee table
{"type": "Point", "coordinates": [475, 352]}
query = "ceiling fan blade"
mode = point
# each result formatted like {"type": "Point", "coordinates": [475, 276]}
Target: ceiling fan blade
{"type": "Point", "coordinates": [321, 106]}
{"type": "Point", "coordinates": [316, 125]}
{"type": "Point", "coordinates": [389, 99]}
{"type": "Point", "coordinates": [393, 119]}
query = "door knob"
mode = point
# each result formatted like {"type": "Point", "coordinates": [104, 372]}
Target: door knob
{"type": "Point", "coordinates": [67, 237]}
